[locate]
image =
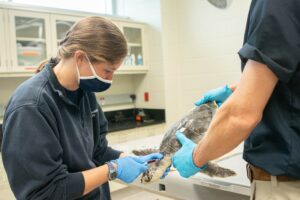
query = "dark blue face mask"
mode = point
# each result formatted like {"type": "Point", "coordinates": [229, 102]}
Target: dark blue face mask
{"type": "Point", "coordinates": [93, 83]}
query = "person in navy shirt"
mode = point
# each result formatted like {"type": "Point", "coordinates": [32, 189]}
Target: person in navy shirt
{"type": "Point", "coordinates": [263, 109]}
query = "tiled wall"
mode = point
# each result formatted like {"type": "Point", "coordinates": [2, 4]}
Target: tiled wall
{"type": "Point", "coordinates": [200, 45]}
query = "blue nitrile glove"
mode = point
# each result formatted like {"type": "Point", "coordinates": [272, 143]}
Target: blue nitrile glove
{"type": "Point", "coordinates": [129, 168]}
{"type": "Point", "coordinates": [183, 159]}
{"type": "Point", "coordinates": [219, 95]}
{"type": "Point", "coordinates": [166, 172]}
{"type": "Point", "coordinates": [156, 156]}
{"type": "Point", "coordinates": [149, 157]}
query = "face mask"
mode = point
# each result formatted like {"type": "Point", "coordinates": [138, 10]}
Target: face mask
{"type": "Point", "coordinates": [92, 83]}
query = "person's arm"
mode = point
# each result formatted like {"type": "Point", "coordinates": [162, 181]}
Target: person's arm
{"type": "Point", "coordinates": [127, 169]}
{"type": "Point", "coordinates": [239, 115]}
{"type": "Point", "coordinates": [32, 157]}
{"type": "Point", "coordinates": [95, 177]}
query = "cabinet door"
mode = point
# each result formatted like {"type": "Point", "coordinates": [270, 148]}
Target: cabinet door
{"type": "Point", "coordinates": [134, 33]}
{"type": "Point", "coordinates": [60, 24]}
{"type": "Point", "coordinates": [3, 60]}
{"type": "Point", "coordinates": [30, 39]}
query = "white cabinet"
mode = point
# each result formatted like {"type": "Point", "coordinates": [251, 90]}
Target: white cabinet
{"type": "Point", "coordinates": [3, 59]}
{"type": "Point", "coordinates": [135, 36]}
{"type": "Point", "coordinates": [30, 39]}
{"type": "Point", "coordinates": [60, 24]}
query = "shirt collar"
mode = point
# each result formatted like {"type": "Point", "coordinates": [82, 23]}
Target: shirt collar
{"type": "Point", "coordinates": [54, 83]}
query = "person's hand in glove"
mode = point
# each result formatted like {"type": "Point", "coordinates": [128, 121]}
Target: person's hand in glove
{"type": "Point", "coordinates": [183, 159]}
{"type": "Point", "coordinates": [166, 172]}
{"type": "Point", "coordinates": [152, 157]}
{"type": "Point", "coordinates": [219, 95]}
{"type": "Point", "coordinates": [129, 168]}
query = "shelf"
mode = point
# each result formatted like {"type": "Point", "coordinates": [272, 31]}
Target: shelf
{"type": "Point", "coordinates": [122, 70]}
{"type": "Point", "coordinates": [136, 69]}
{"type": "Point", "coordinates": [134, 44]}
{"type": "Point", "coordinates": [27, 39]}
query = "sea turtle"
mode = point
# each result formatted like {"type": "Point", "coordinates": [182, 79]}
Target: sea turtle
{"type": "Point", "coordinates": [194, 126]}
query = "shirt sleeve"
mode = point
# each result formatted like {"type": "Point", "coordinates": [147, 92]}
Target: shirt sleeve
{"type": "Point", "coordinates": [32, 157]}
{"type": "Point", "coordinates": [103, 152]}
{"type": "Point", "coordinates": [272, 36]}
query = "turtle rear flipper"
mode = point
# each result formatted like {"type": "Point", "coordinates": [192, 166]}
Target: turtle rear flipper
{"type": "Point", "coordinates": [144, 152]}
{"type": "Point", "coordinates": [214, 170]}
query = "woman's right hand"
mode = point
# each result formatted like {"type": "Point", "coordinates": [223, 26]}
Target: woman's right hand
{"type": "Point", "coordinates": [129, 168]}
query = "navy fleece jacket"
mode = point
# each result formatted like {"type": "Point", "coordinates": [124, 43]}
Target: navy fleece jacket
{"type": "Point", "coordinates": [48, 140]}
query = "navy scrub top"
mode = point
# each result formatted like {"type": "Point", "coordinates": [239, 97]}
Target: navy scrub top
{"type": "Point", "coordinates": [48, 140]}
{"type": "Point", "coordinates": [272, 37]}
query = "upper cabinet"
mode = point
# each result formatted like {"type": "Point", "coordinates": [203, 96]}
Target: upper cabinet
{"type": "Point", "coordinates": [135, 61]}
{"type": "Point", "coordinates": [3, 60]}
{"type": "Point", "coordinates": [30, 39]}
{"type": "Point", "coordinates": [60, 24]}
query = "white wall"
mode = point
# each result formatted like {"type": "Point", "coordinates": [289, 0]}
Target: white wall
{"type": "Point", "coordinates": [122, 84]}
{"type": "Point", "coordinates": [200, 45]}
{"type": "Point", "coordinates": [7, 87]}
{"type": "Point", "coordinates": [148, 11]}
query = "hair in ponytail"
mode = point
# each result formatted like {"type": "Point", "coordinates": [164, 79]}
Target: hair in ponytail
{"type": "Point", "coordinates": [98, 37]}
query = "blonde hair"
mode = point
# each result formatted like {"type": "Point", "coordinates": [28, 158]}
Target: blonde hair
{"type": "Point", "coordinates": [98, 37]}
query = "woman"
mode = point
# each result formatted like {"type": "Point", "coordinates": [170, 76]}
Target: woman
{"type": "Point", "coordinates": [54, 144]}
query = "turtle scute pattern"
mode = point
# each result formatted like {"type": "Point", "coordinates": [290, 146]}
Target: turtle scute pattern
{"type": "Point", "coordinates": [194, 126]}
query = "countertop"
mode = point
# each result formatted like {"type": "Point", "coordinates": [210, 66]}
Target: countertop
{"type": "Point", "coordinates": [119, 126]}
